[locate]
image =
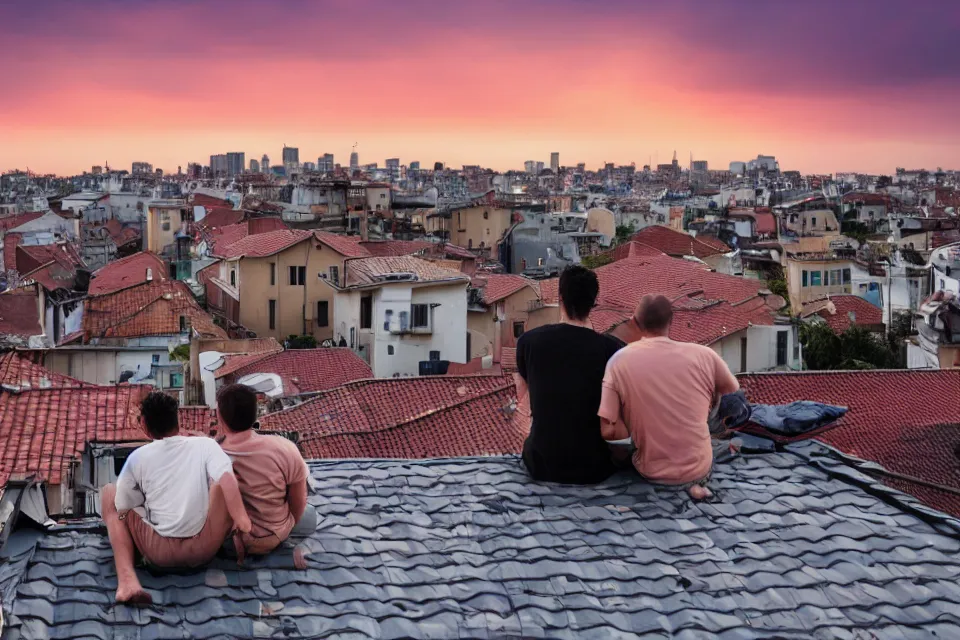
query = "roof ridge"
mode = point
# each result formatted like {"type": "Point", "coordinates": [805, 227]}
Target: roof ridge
{"type": "Point", "coordinates": [842, 371]}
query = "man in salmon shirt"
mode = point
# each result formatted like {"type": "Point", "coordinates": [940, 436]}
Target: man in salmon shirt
{"type": "Point", "coordinates": [272, 477]}
{"type": "Point", "coordinates": [659, 393]}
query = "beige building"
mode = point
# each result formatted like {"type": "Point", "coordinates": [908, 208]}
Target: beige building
{"type": "Point", "coordinates": [499, 312]}
{"type": "Point", "coordinates": [813, 222]}
{"type": "Point", "coordinates": [274, 284]}
{"type": "Point", "coordinates": [602, 220]}
{"type": "Point", "coordinates": [810, 279]}
{"type": "Point", "coordinates": [479, 226]}
{"type": "Point", "coordinates": [163, 219]}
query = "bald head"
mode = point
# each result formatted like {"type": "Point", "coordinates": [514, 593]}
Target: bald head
{"type": "Point", "coordinates": [654, 314]}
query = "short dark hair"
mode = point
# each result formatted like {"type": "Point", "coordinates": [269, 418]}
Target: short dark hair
{"type": "Point", "coordinates": [578, 289]}
{"type": "Point", "coordinates": [237, 404]}
{"type": "Point", "coordinates": [159, 413]}
{"type": "Point", "coordinates": [654, 313]}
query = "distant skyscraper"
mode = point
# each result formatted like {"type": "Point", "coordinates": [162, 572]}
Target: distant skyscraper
{"type": "Point", "coordinates": [236, 163]}
{"type": "Point", "coordinates": [309, 166]}
{"type": "Point", "coordinates": [265, 163]}
{"type": "Point", "coordinates": [438, 166]}
{"type": "Point", "coordinates": [141, 167]}
{"type": "Point", "coordinates": [194, 170]}
{"type": "Point", "coordinates": [254, 166]}
{"type": "Point", "coordinates": [291, 158]}
{"type": "Point", "coordinates": [218, 165]}
{"type": "Point", "coordinates": [325, 163]}
{"type": "Point", "coordinates": [539, 167]}
{"type": "Point", "coordinates": [415, 165]}
{"type": "Point", "coordinates": [97, 170]}
{"type": "Point", "coordinates": [354, 161]}
{"type": "Point", "coordinates": [700, 166]}
{"type": "Point", "coordinates": [530, 166]}
{"type": "Point", "coordinates": [393, 168]}
{"type": "Point", "coordinates": [555, 161]}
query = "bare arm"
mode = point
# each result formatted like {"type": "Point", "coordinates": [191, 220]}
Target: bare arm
{"type": "Point", "coordinates": [231, 495]}
{"type": "Point", "coordinates": [726, 382]}
{"type": "Point", "coordinates": [297, 499]}
{"type": "Point", "coordinates": [523, 391]}
{"type": "Point", "coordinates": [129, 494]}
{"type": "Point", "coordinates": [613, 431]}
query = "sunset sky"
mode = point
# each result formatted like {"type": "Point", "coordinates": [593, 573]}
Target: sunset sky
{"type": "Point", "coordinates": [826, 86]}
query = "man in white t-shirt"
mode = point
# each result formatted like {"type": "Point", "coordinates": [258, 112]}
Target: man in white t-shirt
{"type": "Point", "coordinates": [176, 499]}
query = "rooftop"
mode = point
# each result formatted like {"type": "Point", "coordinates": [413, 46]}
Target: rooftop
{"type": "Point", "coordinates": [262, 245]}
{"type": "Point", "coordinates": [405, 418]}
{"type": "Point", "coordinates": [397, 247]}
{"type": "Point", "coordinates": [842, 311]}
{"type": "Point", "coordinates": [797, 545]}
{"type": "Point", "coordinates": [347, 246]}
{"type": "Point", "coordinates": [19, 316]}
{"type": "Point", "coordinates": [18, 371]}
{"type": "Point", "coordinates": [127, 272]}
{"type": "Point", "coordinates": [679, 243]}
{"type": "Point", "coordinates": [363, 272]}
{"type": "Point", "coordinates": [304, 370]}
{"type": "Point", "coordinates": [497, 286]}
{"type": "Point", "coordinates": [899, 419]}
{"type": "Point", "coordinates": [153, 308]}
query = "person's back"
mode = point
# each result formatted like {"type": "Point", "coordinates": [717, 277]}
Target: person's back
{"type": "Point", "coordinates": [173, 475]}
{"type": "Point", "coordinates": [270, 471]}
{"type": "Point", "coordinates": [659, 393]}
{"type": "Point", "coordinates": [562, 366]}
{"type": "Point", "coordinates": [665, 389]}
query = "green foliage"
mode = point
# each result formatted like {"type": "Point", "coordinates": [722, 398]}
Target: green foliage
{"type": "Point", "coordinates": [884, 181]}
{"type": "Point", "coordinates": [624, 232]}
{"type": "Point", "coordinates": [855, 229]}
{"type": "Point", "coordinates": [301, 342]}
{"type": "Point", "coordinates": [855, 348]}
{"type": "Point", "coordinates": [592, 262]}
{"type": "Point", "coordinates": [181, 353]}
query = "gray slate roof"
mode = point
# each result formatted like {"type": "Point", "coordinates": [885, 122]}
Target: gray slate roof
{"type": "Point", "coordinates": [796, 545]}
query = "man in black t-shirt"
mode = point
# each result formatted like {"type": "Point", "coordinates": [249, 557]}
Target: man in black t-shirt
{"type": "Point", "coordinates": [561, 366]}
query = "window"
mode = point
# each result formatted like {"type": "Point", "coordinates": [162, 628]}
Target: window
{"type": "Point", "coordinates": [233, 277]}
{"type": "Point", "coordinates": [273, 273]}
{"type": "Point", "coordinates": [298, 275]}
{"type": "Point", "coordinates": [743, 354]}
{"type": "Point", "coordinates": [184, 324]}
{"type": "Point", "coordinates": [389, 349]}
{"type": "Point", "coordinates": [421, 316]}
{"type": "Point", "coordinates": [176, 380]}
{"type": "Point", "coordinates": [486, 214]}
{"type": "Point", "coordinates": [335, 275]}
{"type": "Point", "coordinates": [846, 276]}
{"type": "Point", "coordinates": [366, 312]}
{"type": "Point", "coordinates": [518, 329]}
{"type": "Point", "coordinates": [404, 320]}
{"type": "Point", "coordinates": [323, 313]}
{"type": "Point", "coordinates": [782, 339]}
{"type": "Point", "coordinates": [156, 358]}
{"type": "Point", "coordinates": [813, 221]}
{"type": "Point", "coordinates": [434, 356]}
{"type": "Point", "coordinates": [835, 277]}
{"type": "Point", "coordinates": [814, 278]}
{"type": "Point", "coordinates": [272, 312]}
{"type": "Point", "coordinates": [805, 283]}
{"type": "Point", "coordinates": [387, 319]}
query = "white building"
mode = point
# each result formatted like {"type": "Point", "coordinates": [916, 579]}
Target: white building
{"type": "Point", "coordinates": [399, 312]}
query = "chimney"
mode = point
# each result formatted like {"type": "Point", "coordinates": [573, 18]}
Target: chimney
{"type": "Point", "coordinates": [364, 233]}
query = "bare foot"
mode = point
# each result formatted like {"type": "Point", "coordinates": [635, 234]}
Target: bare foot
{"type": "Point", "coordinates": [300, 557]}
{"type": "Point", "coordinates": [699, 493]}
{"type": "Point", "coordinates": [133, 595]}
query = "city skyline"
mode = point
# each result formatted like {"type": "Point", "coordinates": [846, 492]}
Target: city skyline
{"type": "Point", "coordinates": [623, 82]}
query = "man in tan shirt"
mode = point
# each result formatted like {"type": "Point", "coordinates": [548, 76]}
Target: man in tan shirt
{"type": "Point", "coordinates": [272, 477]}
{"type": "Point", "coordinates": [659, 393]}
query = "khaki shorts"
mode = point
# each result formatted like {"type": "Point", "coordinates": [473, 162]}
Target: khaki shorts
{"type": "Point", "coordinates": [164, 552]}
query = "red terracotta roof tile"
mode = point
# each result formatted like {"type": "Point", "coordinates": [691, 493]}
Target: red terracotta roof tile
{"type": "Point", "coordinates": [197, 419]}
{"type": "Point", "coordinates": [306, 370]}
{"type": "Point", "coordinates": [677, 243]}
{"type": "Point", "coordinates": [497, 286]}
{"type": "Point", "coordinates": [31, 257]}
{"type": "Point", "coordinates": [44, 431]}
{"type": "Point", "coordinates": [10, 243]}
{"type": "Point", "coordinates": [19, 315]}
{"type": "Point", "coordinates": [908, 421]}
{"type": "Point", "coordinates": [127, 272]}
{"type": "Point", "coordinates": [14, 221]}
{"type": "Point", "coordinates": [508, 359]}
{"type": "Point", "coordinates": [477, 423]}
{"type": "Point", "coordinates": [366, 271]}
{"type": "Point", "coordinates": [634, 249]}
{"type": "Point", "coordinates": [347, 246]}
{"type": "Point", "coordinates": [150, 309]}
{"type": "Point", "coordinates": [219, 216]}
{"type": "Point", "coordinates": [550, 290]}
{"type": "Point", "coordinates": [374, 406]}
{"type": "Point", "coordinates": [838, 318]}
{"type": "Point", "coordinates": [397, 247]}
{"type": "Point", "coordinates": [203, 200]}
{"type": "Point", "coordinates": [18, 370]}
{"type": "Point", "coordinates": [264, 244]}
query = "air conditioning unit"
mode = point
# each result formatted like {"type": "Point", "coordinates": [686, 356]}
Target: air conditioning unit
{"type": "Point", "coordinates": [397, 277]}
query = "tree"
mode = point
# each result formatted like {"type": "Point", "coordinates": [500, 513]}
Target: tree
{"type": "Point", "coordinates": [884, 181]}
{"type": "Point", "coordinates": [624, 232]}
{"type": "Point", "coordinates": [592, 262]}
{"type": "Point", "coordinates": [855, 348]}
{"type": "Point", "coordinates": [777, 283]}
{"type": "Point", "coordinates": [301, 342]}
{"type": "Point", "coordinates": [180, 353]}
